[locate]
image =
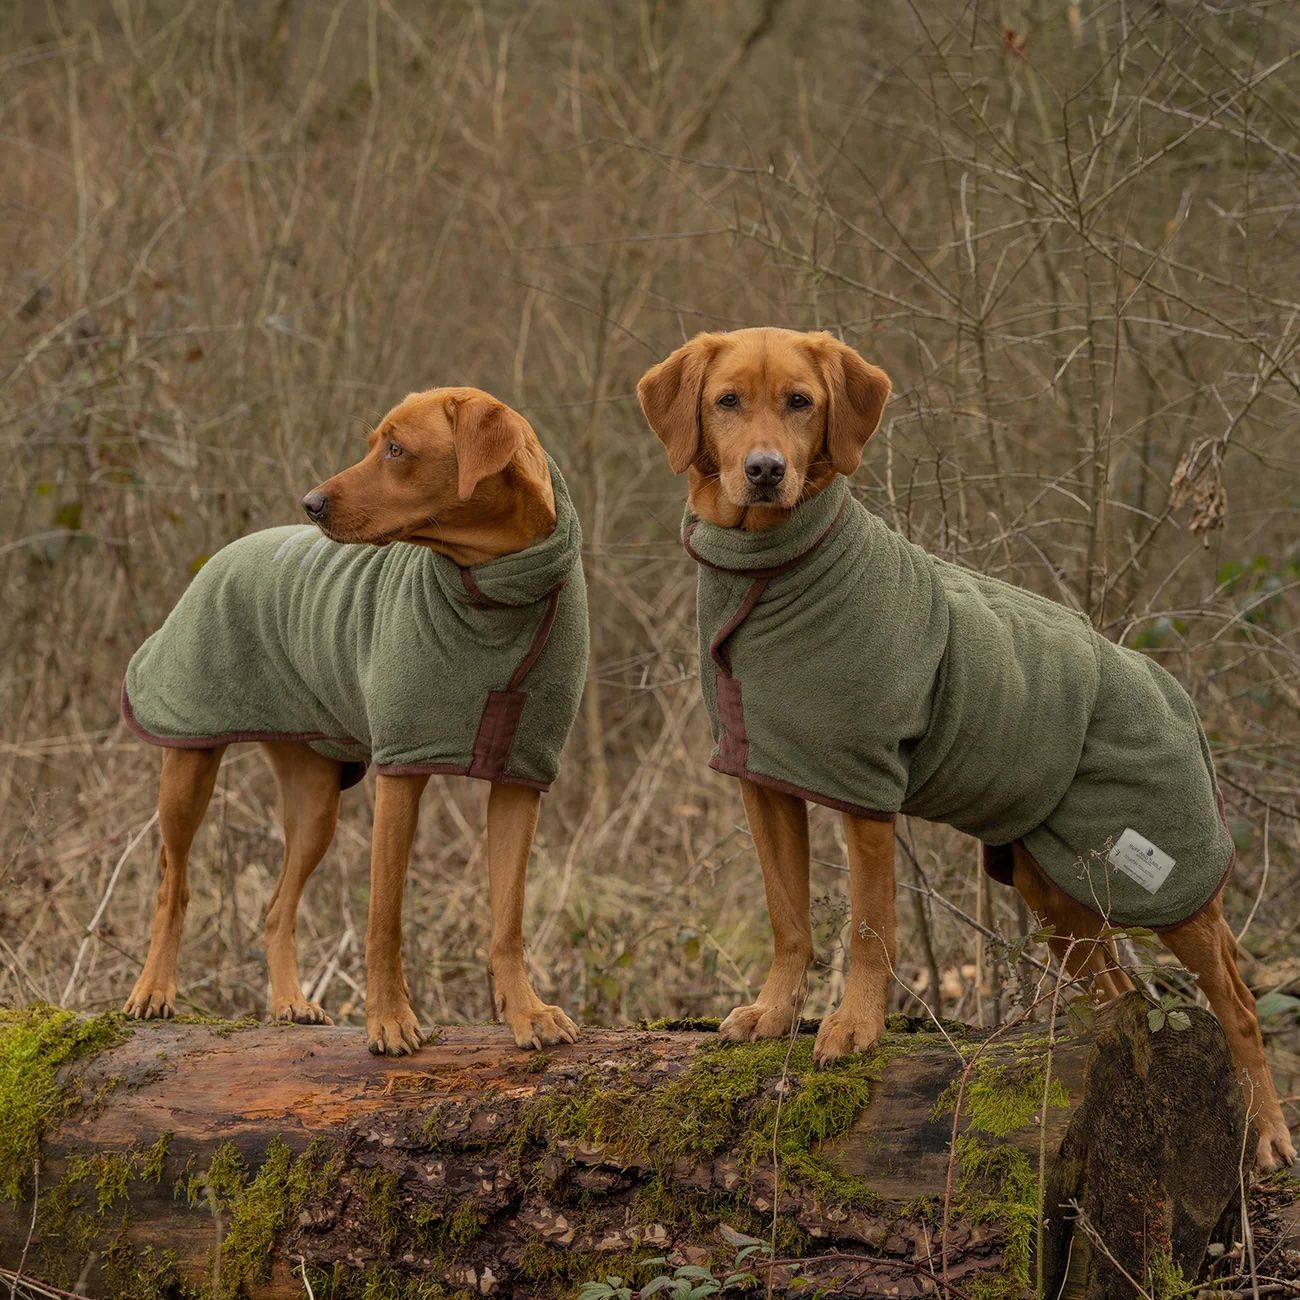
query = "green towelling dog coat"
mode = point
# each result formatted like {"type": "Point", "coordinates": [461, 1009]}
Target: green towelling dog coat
{"type": "Point", "coordinates": [841, 663]}
{"type": "Point", "coordinates": [393, 654]}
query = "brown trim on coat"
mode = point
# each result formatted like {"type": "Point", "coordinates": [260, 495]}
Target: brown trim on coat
{"type": "Point", "coordinates": [353, 769]}
{"type": "Point", "coordinates": [475, 592]}
{"type": "Point", "coordinates": [777, 569]}
{"type": "Point", "coordinates": [496, 733]}
{"type": "Point", "coordinates": [734, 743]}
{"type": "Point", "coordinates": [787, 787]}
{"type": "Point", "coordinates": [539, 641]}
{"type": "Point", "coordinates": [504, 709]}
{"type": "Point", "coordinates": [743, 611]}
{"type": "Point", "coordinates": [223, 738]}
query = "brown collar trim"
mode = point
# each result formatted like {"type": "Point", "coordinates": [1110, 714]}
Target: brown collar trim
{"type": "Point", "coordinates": [475, 592]}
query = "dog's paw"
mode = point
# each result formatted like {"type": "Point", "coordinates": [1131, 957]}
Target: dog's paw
{"type": "Point", "coordinates": [1276, 1150]}
{"type": "Point", "coordinates": [758, 1020]}
{"type": "Point", "coordinates": [149, 1001]}
{"type": "Point", "coordinates": [394, 1033]}
{"type": "Point", "coordinates": [541, 1026]}
{"type": "Point", "coordinates": [842, 1033]}
{"type": "Point", "coordinates": [299, 1011]}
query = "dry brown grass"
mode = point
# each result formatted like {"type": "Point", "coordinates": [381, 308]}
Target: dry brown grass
{"type": "Point", "coordinates": [234, 234]}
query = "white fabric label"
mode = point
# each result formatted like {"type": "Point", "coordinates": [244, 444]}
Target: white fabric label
{"type": "Point", "coordinates": [1140, 860]}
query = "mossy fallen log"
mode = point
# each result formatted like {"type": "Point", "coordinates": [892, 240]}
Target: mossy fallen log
{"type": "Point", "coordinates": [184, 1159]}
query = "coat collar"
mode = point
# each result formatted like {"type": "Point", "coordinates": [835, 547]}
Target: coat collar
{"type": "Point", "coordinates": [768, 552]}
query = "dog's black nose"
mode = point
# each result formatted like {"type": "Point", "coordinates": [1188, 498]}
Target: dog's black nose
{"type": "Point", "coordinates": [764, 468]}
{"type": "Point", "coordinates": [316, 503]}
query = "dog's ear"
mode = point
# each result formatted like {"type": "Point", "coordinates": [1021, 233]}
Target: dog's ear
{"type": "Point", "coordinates": [670, 397]}
{"type": "Point", "coordinates": [486, 434]}
{"type": "Point", "coordinates": [857, 392]}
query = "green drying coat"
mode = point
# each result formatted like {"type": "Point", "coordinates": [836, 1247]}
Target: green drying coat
{"type": "Point", "coordinates": [393, 654]}
{"type": "Point", "coordinates": [843, 664]}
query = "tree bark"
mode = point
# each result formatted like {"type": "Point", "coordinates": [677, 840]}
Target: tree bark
{"type": "Point", "coordinates": [233, 1160]}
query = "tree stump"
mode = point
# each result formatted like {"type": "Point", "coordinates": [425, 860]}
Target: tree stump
{"type": "Point", "coordinates": [227, 1160]}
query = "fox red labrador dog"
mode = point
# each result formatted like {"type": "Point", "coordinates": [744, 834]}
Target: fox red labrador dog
{"type": "Point", "coordinates": [432, 619]}
{"type": "Point", "coordinates": [844, 666]}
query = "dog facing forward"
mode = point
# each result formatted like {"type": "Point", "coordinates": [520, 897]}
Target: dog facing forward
{"type": "Point", "coordinates": [843, 665]}
{"type": "Point", "coordinates": [432, 619]}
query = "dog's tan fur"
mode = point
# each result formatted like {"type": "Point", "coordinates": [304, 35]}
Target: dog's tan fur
{"type": "Point", "coordinates": [719, 399]}
{"type": "Point", "coordinates": [456, 470]}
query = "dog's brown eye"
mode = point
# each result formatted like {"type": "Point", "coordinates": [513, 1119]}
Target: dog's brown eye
{"type": "Point", "coordinates": [394, 451]}
{"type": "Point", "coordinates": [799, 401]}
{"type": "Point", "coordinates": [728, 400]}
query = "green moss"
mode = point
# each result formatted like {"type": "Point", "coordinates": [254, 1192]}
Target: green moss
{"type": "Point", "coordinates": [141, 1274]}
{"type": "Point", "coordinates": [112, 1171]}
{"type": "Point", "coordinates": [383, 1204]}
{"type": "Point", "coordinates": [222, 1180]}
{"type": "Point", "coordinates": [1002, 1096]}
{"type": "Point", "coordinates": [378, 1282]}
{"type": "Point", "coordinates": [261, 1207]}
{"type": "Point", "coordinates": [696, 1215]}
{"type": "Point", "coordinates": [1165, 1280]}
{"type": "Point", "coordinates": [926, 1209]}
{"type": "Point", "coordinates": [758, 1098]}
{"type": "Point", "coordinates": [109, 1171]}
{"type": "Point", "coordinates": [684, 1024]}
{"type": "Point", "coordinates": [434, 1120]}
{"type": "Point", "coordinates": [555, 1271]}
{"type": "Point", "coordinates": [261, 1213]}
{"type": "Point", "coordinates": [761, 1100]}
{"type": "Point", "coordinates": [70, 1227]}
{"type": "Point", "coordinates": [996, 1184]}
{"type": "Point", "coordinates": [465, 1226]}
{"type": "Point", "coordinates": [35, 1044]}
{"type": "Point", "coordinates": [898, 1023]}
{"type": "Point", "coordinates": [265, 1206]}
{"type": "Point", "coordinates": [222, 1027]}
{"type": "Point", "coordinates": [445, 1232]}
{"type": "Point", "coordinates": [153, 1160]}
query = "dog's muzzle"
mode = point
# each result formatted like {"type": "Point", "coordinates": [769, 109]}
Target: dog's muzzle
{"type": "Point", "coordinates": [317, 505]}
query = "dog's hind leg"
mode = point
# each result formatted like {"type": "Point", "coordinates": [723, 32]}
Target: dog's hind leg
{"type": "Point", "coordinates": [1205, 945]}
{"type": "Point", "coordinates": [309, 812]}
{"type": "Point", "coordinates": [188, 779]}
{"type": "Point", "coordinates": [1075, 942]}
{"type": "Point", "coordinates": [511, 822]}
{"type": "Point", "coordinates": [779, 825]}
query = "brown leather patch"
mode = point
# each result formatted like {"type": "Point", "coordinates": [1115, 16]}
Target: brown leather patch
{"type": "Point", "coordinates": [496, 733]}
{"type": "Point", "coordinates": [539, 640]}
{"type": "Point", "coordinates": [734, 745]}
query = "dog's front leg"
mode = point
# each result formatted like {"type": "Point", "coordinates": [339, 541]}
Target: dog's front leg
{"type": "Point", "coordinates": [859, 1020]}
{"type": "Point", "coordinates": [391, 1026]}
{"type": "Point", "coordinates": [512, 820]}
{"type": "Point", "coordinates": [779, 824]}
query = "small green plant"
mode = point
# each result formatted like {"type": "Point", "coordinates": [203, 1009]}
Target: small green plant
{"type": "Point", "coordinates": [1276, 1009]}
{"type": "Point", "coordinates": [1168, 1013]}
{"type": "Point", "coordinates": [688, 1281]}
